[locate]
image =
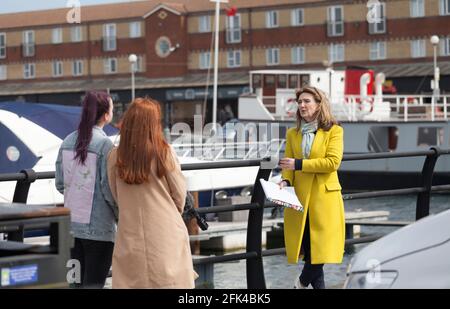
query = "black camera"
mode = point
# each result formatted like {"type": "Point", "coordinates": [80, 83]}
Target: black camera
{"type": "Point", "coordinates": [200, 220]}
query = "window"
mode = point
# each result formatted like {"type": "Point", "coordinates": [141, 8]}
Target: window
{"type": "Point", "coordinates": [445, 46]}
{"type": "Point", "coordinates": [29, 70]}
{"type": "Point", "coordinates": [3, 72]}
{"type": "Point", "coordinates": [382, 138]}
{"type": "Point", "coordinates": [109, 37]}
{"type": "Point", "coordinates": [234, 29]}
{"type": "Point", "coordinates": [2, 45]}
{"type": "Point", "coordinates": [416, 8]}
{"type": "Point", "coordinates": [110, 65]}
{"type": "Point", "coordinates": [298, 55]}
{"type": "Point", "coordinates": [273, 56]}
{"type": "Point", "coordinates": [234, 58]}
{"type": "Point", "coordinates": [204, 23]}
{"type": "Point", "coordinates": [77, 68]}
{"type": "Point", "coordinates": [418, 48]}
{"type": "Point", "coordinates": [28, 43]}
{"type": "Point", "coordinates": [57, 68]}
{"type": "Point", "coordinates": [76, 34]}
{"type": "Point", "coordinates": [272, 19]}
{"type": "Point", "coordinates": [379, 26]}
{"type": "Point", "coordinates": [430, 136]}
{"type": "Point", "coordinates": [377, 51]}
{"type": "Point", "coordinates": [335, 21]}
{"type": "Point", "coordinates": [135, 29]}
{"type": "Point", "coordinates": [205, 60]}
{"type": "Point", "coordinates": [336, 52]}
{"type": "Point", "coordinates": [297, 17]}
{"type": "Point", "coordinates": [444, 7]}
{"type": "Point", "coordinates": [57, 36]}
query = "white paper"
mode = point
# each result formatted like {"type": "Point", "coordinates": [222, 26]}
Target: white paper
{"type": "Point", "coordinates": [285, 197]}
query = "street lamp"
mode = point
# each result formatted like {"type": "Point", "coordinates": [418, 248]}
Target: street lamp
{"type": "Point", "coordinates": [435, 41]}
{"type": "Point", "coordinates": [133, 60]}
{"type": "Point", "coordinates": [329, 65]}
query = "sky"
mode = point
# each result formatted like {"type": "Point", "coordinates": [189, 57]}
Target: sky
{"type": "Point", "coordinates": [10, 6]}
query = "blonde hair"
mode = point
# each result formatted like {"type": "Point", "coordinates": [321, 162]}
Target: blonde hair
{"type": "Point", "coordinates": [325, 119]}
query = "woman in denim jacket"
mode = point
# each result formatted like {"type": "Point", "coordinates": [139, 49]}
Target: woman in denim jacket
{"type": "Point", "coordinates": [81, 176]}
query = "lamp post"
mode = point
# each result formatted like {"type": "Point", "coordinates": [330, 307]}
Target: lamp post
{"type": "Point", "coordinates": [435, 84]}
{"type": "Point", "coordinates": [133, 60]}
{"type": "Point", "coordinates": [329, 65]}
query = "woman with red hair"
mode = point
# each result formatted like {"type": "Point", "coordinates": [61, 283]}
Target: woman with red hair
{"type": "Point", "coordinates": [152, 244]}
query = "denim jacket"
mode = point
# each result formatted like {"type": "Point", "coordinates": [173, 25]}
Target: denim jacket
{"type": "Point", "coordinates": [94, 213]}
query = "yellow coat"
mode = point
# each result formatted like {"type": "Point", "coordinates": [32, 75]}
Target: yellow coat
{"type": "Point", "coordinates": [318, 189]}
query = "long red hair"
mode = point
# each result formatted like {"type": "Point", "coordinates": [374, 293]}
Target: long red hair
{"type": "Point", "coordinates": [142, 143]}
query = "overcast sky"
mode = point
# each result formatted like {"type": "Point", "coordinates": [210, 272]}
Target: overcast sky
{"type": "Point", "coordinates": [10, 6]}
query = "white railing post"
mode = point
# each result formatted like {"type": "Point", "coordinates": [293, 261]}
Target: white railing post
{"type": "Point", "coordinates": [445, 107]}
{"type": "Point", "coordinates": [405, 112]}
{"type": "Point", "coordinates": [433, 105]}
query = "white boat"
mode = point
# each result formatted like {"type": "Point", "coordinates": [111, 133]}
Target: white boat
{"type": "Point", "coordinates": [372, 122]}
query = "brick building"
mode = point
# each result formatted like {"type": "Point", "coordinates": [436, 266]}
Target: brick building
{"type": "Point", "coordinates": [43, 58]}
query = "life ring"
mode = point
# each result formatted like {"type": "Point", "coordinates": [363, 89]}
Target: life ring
{"type": "Point", "coordinates": [291, 107]}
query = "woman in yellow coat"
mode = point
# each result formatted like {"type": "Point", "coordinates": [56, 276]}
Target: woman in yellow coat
{"type": "Point", "coordinates": [313, 154]}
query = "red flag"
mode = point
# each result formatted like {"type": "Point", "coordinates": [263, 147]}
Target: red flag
{"type": "Point", "coordinates": [231, 11]}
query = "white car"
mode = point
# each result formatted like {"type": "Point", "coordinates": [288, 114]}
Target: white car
{"type": "Point", "coordinates": [413, 257]}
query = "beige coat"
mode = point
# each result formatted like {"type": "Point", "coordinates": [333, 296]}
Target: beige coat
{"type": "Point", "coordinates": [152, 243]}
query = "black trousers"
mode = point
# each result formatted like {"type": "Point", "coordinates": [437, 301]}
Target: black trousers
{"type": "Point", "coordinates": [312, 273]}
{"type": "Point", "coordinates": [95, 259]}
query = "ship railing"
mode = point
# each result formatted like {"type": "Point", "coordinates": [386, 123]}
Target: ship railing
{"type": "Point", "coordinates": [254, 252]}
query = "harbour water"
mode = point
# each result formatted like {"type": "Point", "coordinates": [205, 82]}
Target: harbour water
{"type": "Point", "coordinates": [279, 274]}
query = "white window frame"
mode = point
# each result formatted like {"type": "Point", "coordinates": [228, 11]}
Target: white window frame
{"type": "Point", "coordinates": [374, 27]}
{"type": "Point", "coordinates": [135, 29]}
{"type": "Point", "coordinates": [77, 68]}
{"type": "Point", "coordinates": [57, 35]}
{"type": "Point", "coordinates": [29, 71]}
{"type": "Point", "coordinates": [57, 69]}
{"type": "Point", "coordinates": [3, 45]}
{"type": "Point", "coordinates": [204, 60]}
{"type": "Point", "coordinates": [334, 53]}
{"type": "Point", "coordinates": [417, 8]}
{"type": "Point", "coordinates": [234, 28]}
{"type": "Point", "coordinates": [109, 37]}
{"type": "Point", "coordinates": [76, 34]}
{"type": "Point", "coordinates": [3, 72]}
{"type": "Point", "coordinates": [445, 46]}
{"type": "Point", "coordinates": [298, 55]}
{"type": "Point", "coordinates": [296, 20]}
{"type": "Point", "coordinates": [418, 49]}
{"type": "Point", "coordinates": [234, 58]}
{"type": "Point", "coordinates": [28, 40]}
{"type": "Point", "coordinates": [109, 66]}
{"type": "Point", "coordinates": [444, 7]}
{"type": "Point", "coordinates": [377, 50]}
{"type": "Point", "coordinates": [334, 22]}
{"type": "Point", "coordinates": [204, 23]}
{"type": "Point", "coordinates": [273, 56]}
{"type": "Point", "coordinates": [272, 19]}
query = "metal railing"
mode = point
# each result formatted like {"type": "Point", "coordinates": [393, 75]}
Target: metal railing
{"type": "Point", "coordinates": [254, 253]}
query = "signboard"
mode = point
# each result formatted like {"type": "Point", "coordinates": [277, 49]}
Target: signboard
{"type": "Point", "coordinates": [19, 275]}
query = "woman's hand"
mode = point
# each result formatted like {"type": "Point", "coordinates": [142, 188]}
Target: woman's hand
{"type": "Point", "coordinates": [287, 164]}
{"type": "Point", "coordinates": [283, 184]}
